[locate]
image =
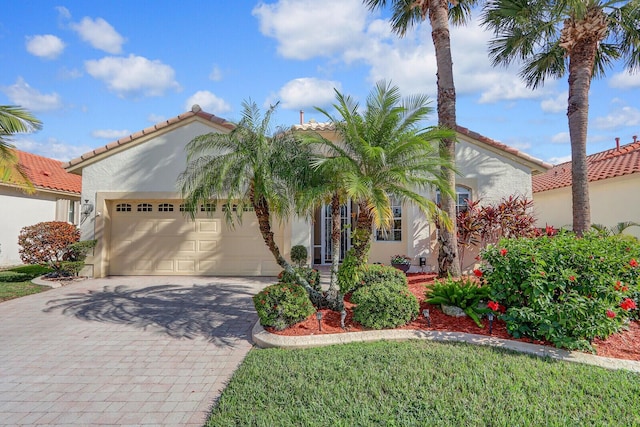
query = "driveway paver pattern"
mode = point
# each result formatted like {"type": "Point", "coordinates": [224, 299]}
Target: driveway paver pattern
{"type": "Point", "coordinates": [123, 350]}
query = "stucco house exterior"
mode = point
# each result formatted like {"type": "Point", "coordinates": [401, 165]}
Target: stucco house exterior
{"type": "Point", "coordinates": [56, 198]}
{"type": "Point", "coordinates": [614, 180]}
{"type": "Point", "coordinates": [141, 230]}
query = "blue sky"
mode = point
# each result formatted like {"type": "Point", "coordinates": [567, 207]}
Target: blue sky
{"type": "Point", "coordinates": [95, 71]}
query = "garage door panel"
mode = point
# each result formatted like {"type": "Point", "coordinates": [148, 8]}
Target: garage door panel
{"type": "Point", "coordinates": [166, 243]}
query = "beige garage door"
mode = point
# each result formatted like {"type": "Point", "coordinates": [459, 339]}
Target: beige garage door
{"type": "Point", "coordinates": [151, 237]}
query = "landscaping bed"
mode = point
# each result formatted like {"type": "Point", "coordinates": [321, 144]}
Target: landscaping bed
{"type": "Point", "coordinates": [625, 345]}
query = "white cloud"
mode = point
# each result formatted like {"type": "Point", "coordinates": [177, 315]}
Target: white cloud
{"type": "Point", "coordinates": [52, 148]}
{"type": "Point", "coordinates": [625, 80]}
{"type": "Point", "coordinates": [99, 34]}
{"type": "Point", "coordinates": [110, 134]}
{"type": "Point", "coordinates": [133, 75]}
{"type": "Point", "coordinates": [555, 105]}
{"type": "Point", "coordinates": [63, 12]}
{"type": "Point", "coordinates": [27, 97]}
{"type": "Point", "coordinates": [216, 74]}
{"type": "Point", "coordinates": [560, 159]}
{"type": "Point", "coordinates": [624, 116]}
{"type": "Point", "coordinates": [561, 138]}
{"type": "Point", "coordinates": [308, 28]}
{"type": "Point", "coordinates": [45, 46]}
{"type": "Point", "coordinates": [307, 92]}
{"type": "Point", "coordinates": [209, 102]}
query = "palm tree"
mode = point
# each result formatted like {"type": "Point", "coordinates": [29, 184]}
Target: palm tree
{"type": "Point", "coordinates": [14, 119]}
{"type": "Point", "coordinates": [409, 13]}
{"type": "Point", "coordinates": [578, 37]}
{"type": "Point", "coordinates": [248, 166]}
{"type": "Point", "coordinates": [380, 153]}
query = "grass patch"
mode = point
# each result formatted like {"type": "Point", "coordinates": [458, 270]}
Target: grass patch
{"type": "Point", "coordinates": [422, 383]}
{"type": "Point", "coordinates": [16, 282]}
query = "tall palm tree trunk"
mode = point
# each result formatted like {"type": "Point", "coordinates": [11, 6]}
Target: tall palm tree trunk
{"type": "Point", "coordinates": [362, 234]}
{"type": "Point", "coordinates": [448, 260]}
{"type": "Point", "coordinates": [336, 231]}
{"type": "Point", "coordinates": [581, 62]}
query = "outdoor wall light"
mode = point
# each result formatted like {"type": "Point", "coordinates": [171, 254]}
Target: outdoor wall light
{"type": "Point", "coordinates": [427, 316]}
{"type": "Point", "coordinates": [343, 316]}
{"type": "Point", "coordinates": [86, 209]}
{"type": "Point", "coordinates": [490, 317]}
{"type": "Point", "coordinates": [319, 317]}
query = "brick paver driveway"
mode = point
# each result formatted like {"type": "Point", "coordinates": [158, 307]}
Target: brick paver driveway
{"type": "Point", "coordinates": [123, 350]}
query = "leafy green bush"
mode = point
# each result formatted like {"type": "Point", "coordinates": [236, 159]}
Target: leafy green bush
{"type": "Point", "coordinates": [31, 271]}
{"type": "Point", "coordinates": [564, 289]}
{"type": "Point", "coordinates": [349, 273]}
{"type": "Point", "coordinates": [376, 273]}
{"type": "Point", "coordinates": [299, 255]}
{"type": "Point", "coordinates": [282, 305]}
{"type": "Point", "coordinates": [464, 293]}
{"type": "Point", "coordinates": [13, 276]}
{"type": "Point", "coordinates": [311, 275]}
{"type": "Point", "coordinates": [383, 305]}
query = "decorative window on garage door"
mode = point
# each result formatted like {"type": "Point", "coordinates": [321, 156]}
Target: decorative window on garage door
{"type": "Point", "coordinates": [208, 207]}
{"type": "Point", "coordinates": [145, 207]}
{"type": "Point", "coordinates": [123, 207]}
{"type": "Point", "coordinates": [165, 207]}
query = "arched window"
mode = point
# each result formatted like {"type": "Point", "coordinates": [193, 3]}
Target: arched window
{"type": "Point", "coordinates": [463, 194]}
{"type": "Point", "coordinates": [145, 207]}
{"type": "Point", "coordinates": [123, 207]}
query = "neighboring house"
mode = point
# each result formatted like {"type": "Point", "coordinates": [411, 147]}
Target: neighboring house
{"type": "Point", "coordinates": [141, 229]}
{"type": "Point", "coordinates": [614, 180]}
{"type": "Point", "coordinates": [56, 198]}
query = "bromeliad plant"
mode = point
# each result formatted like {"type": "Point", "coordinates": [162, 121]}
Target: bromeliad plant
{"type": "Point", "coordinates": [564, 289]}
{"type": "Point", "coordinates": [401, 260]}
{"type": "Point", "coordinates": [464, 293]}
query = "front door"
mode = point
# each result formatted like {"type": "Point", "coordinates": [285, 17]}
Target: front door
{"type": "Point", "coordinates": [322, 234]}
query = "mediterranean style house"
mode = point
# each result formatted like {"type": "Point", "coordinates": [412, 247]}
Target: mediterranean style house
{"type": "Point", "coordinates": [137, 215]}
{"type": "Point", "coordinates": [614, 178]}
{"type": "Point", "coordinates": [56, 198]}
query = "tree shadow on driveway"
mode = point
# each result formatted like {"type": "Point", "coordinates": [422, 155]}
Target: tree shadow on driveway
{"type": "Point", "coordinates": [219, 313]}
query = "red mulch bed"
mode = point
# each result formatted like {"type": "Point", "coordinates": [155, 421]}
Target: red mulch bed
{"type": "Point", "coordinates": [625, 345]}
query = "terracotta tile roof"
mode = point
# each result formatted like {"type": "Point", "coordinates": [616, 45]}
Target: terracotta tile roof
{"type": "Point", "coordinates": [48, 174]}
{"type": "Point", "coordinates": [196, 111]}
{"type": "Point", "coordinates": [537, 164]}
{"type": "Point", "coordinates": [606, 164]}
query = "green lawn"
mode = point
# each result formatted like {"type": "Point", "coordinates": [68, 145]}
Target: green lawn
{"type": "Point", "coordinates": [419, 383]}
{"type": "Point", "coordinates": [12, 287]}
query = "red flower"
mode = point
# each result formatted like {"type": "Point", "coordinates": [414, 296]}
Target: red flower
{"type": "Point", "coordinates": [503, 251]}
{"type": "Point", "coordinates": [611, 314]}
{"type": "Point", "coordinates": [572, 278]}
{"type": "Point", "coordinates": [493, 305]}
{"type": "Point", "coordinates": [633, 263]}
{"type": "Point", "coordinates": [477, 272]}
{"type": "Point", "coordinates": [617, 286]}
{"type": "Point", "coordinates": [624, 289]}
{"type": "Point", "coordinates": [477, 257]}
{"type": "Point", "coordinates": [542, 273]}
{"type": "Point", "coordinates": [628, 304]}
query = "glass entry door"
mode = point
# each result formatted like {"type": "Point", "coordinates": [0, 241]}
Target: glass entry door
{"type": "Point", "coordinates": [323, 246]}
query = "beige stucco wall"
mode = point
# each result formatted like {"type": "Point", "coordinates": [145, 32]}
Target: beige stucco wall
{"type": "Point", "coordinates": [612, 201]}
{"type": "Point", "coordinates": [19, 210]}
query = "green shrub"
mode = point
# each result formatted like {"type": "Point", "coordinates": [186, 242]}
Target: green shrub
{"type": "Point", "coordinates": [464, 293]}
{"type": "Point", "coordinates": [282, 305]}
{"type": "Point", "coordinates": [349, 273]}
{"type": "Point", "coordinates": [564, 289]}
{"type": "Point", "coordinates": [384, 306]}
{"type": "Point", "coordinates": [311, 275]}
{"type": "Point", "coordinates": [13, 276]}
{"type": "Point", "coordinates": [299, 255]}
{"type": "Point", "coordinates": [376, 273]}
{"type": "Point", "coordinates": [31, 271]}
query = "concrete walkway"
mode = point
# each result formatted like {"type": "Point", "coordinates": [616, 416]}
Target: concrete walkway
{"type": "Point", "coordinates": [123, 350]}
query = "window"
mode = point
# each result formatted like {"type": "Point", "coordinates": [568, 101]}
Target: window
{"type": "Point", "coordinates": [71, 215]}
{"type": "Point", "coordinates": [225, 208]}
{"type": "Point", "coordinates": [185, 207]}
{"type": "Point", "coordinates": [208, 207]}
{"type": "Point", "coordinates": [123, 207]}
{"type": "Point", "coordinates": [463, 194]}
{"type": "Point", "coordinates": [395, 233]}
{"type": "Point", "coordinates": [145, 207]}
{"type": "Point", "coordinates": [165, 207]}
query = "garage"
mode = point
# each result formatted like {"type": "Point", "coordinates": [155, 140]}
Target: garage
{"type": "Point", "coordinates": [157, 237]}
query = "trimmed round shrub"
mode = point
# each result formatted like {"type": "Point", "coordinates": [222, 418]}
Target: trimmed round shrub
{"type": "Point", "coordinates": [382, 306]}
{"type": "Point", "coordinates": [311, 275]}
{"type": "Point", "coordinates": [47, 243]}
{"type": "Point", "coordinates": [31, 271]}
{"type": "Point", "coordinates": [299, 255]}
{"type": "Point", "coordinates": [13, 276]}
{"type": "Point", "coordinates": [282, 305]}
{"type": "Point", "coordinates": [376, 273]}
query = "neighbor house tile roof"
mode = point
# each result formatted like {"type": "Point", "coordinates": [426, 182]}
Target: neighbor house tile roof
{"type": "Point", "coordinates": [539, 165]}
{"type": "Point", "coordinates": [196, 111]}
{"type": "Point", "coordinates": [619, 161]}
{"type": "Point", "coordinates": [48, 174]}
